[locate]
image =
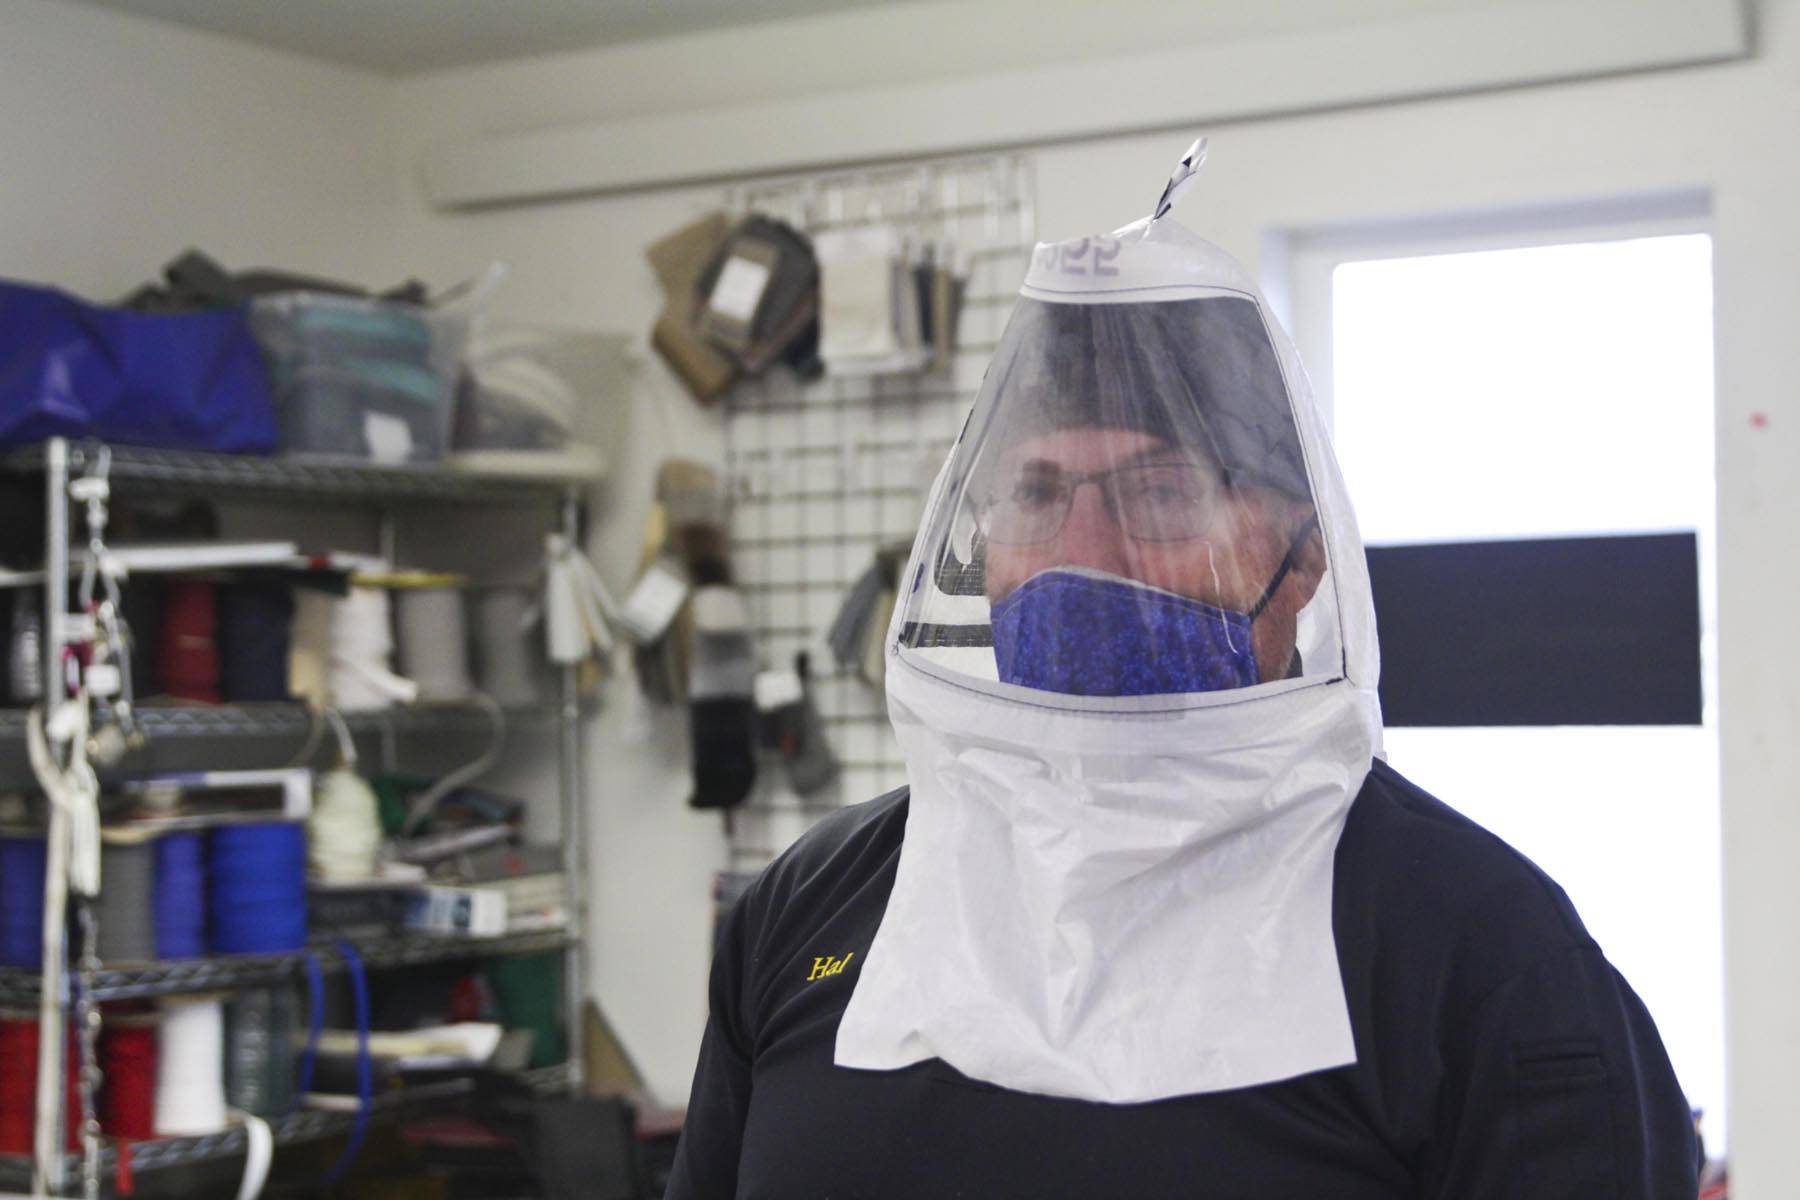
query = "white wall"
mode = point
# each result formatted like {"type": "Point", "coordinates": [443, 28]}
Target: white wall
{"type": "Point", "coordinates": [1728, 129]}
{"type": "Point", "coordinates": [123, 141]}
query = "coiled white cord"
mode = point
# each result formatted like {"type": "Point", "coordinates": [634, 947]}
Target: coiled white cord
{"type": "Point", "coordinates": [259, 1154]}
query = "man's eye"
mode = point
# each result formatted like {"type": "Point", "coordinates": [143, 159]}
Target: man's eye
{"type": "Point", "coordinates": [1162, 486]}
{"type": "Point", "coordinates": [1036, 493]}
{"type": "Point", "coordinates": [1158, 493]}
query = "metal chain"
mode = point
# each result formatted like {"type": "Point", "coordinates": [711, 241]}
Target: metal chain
{"type": "Point", "coordinates": [87, 1018]}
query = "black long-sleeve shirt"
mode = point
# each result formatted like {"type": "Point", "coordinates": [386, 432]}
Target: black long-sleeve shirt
{"type": "Point", "coordinates": [1498, 1053]}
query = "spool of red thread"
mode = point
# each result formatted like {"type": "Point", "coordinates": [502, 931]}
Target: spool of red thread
{"type": "Point", "coordinates": [18, 1086]}
{"type": "Point", "coordinates": [188, 654]}
{"type": "Point", "coordinates": [18, 1082]}
{"type": "Point", "coordinates": [127, 1054]}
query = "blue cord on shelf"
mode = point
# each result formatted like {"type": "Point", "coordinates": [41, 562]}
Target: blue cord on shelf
{"type": "Point", "coordinates": [365, 1073]}
{"type": "Point", "coordinates": [315, 1025]}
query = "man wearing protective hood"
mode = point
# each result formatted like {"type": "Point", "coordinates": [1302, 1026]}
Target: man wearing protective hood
{"type": "Point", "coordinates": [1152, 917]}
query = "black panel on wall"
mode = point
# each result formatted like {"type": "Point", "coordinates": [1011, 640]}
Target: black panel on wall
{"type": "Point", "coordinates": [1556, 631]}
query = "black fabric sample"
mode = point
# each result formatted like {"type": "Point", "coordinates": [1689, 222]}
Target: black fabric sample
{"type": "Point", "coordinates": [722, 732]}
{"type": "Point", "coordinates": [193, 282]}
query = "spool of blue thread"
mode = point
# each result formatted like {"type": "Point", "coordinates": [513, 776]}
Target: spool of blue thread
{"type": "Point", "coordinates": [21, 901]}
{"type": "Point", "coordinates": [180, 896]}
{"type": "Point", "coordinates": [256, 889]}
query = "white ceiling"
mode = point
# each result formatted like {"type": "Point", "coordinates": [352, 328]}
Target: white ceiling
{"type": "Point", "coordinates": [403, 37]}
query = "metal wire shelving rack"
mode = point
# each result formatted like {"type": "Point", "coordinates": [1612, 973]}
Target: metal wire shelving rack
{"type": "Point", "coordinates": [384, 489]}
{"type": "Point", "coordinates": [170, 977]}
{"type": "Point", "coordinates": [305, 1125]}
{"type": "Point", "coordinates": [301, 477]}
{"type": "Point", "coordinates": [290, 720]}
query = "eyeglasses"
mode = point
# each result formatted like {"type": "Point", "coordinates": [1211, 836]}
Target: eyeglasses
{"type": "Point", "coordinates": [1151, 502]}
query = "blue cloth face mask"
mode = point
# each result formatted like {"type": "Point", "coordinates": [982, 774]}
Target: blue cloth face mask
{"type": "Point", "coordinates": [1087, 633]}
{"type": "Point", "coordinates": [1083, 633]}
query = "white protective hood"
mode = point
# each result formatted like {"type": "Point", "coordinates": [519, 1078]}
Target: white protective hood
{"type": "Point", "coordinates": [1111, 890]}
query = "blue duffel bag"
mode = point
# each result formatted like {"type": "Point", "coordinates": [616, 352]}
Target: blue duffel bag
{"type": "Point", "coordinates": [179, 381]}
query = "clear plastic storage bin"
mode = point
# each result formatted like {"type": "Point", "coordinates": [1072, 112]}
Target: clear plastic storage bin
{"type": "Point", "coordinates": [538, 399]}
{"type": "Point", "coordinates": [361, 379]}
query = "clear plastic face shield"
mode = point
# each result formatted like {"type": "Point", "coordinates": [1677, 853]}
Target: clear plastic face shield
{"type": "Point", "coordinates": [1128, 512]}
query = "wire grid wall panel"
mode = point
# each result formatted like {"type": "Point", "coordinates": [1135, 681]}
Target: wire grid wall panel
{"type": "Point", "coordinates": [823, 474]}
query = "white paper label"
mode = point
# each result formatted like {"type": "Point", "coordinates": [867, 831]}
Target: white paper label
{"type": "Point", "coordinates": [653, 603]}
{"type": "Point", "coordinates": [389, 438]}
{"type": "Point", "coordinates": [739, 288]}
{"type": "Point", "coordinates": [777, 689]}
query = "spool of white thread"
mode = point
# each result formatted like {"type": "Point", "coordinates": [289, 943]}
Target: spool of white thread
{"type": "Point", "coordinates": [434, 642]}
{"type": "Point", "coordinates": [362, 645]}
{"type": "Point", "coordinates": [190, 1076]}
{"type": "Point", "coordinates": [340, 651]}
{"type": "Point", "coordinates": [503, 645]}
{"type": "Point", "coordinates": [309, 647]}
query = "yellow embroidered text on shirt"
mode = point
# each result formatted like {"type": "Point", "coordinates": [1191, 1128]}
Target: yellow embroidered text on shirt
{"type": "Point", "coordinates": [828, 965]}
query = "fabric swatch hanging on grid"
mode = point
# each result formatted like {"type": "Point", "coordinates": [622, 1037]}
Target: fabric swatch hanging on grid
{"type": "Point", "coordinates": [679, 258]}
{"type": "Point", "coordinates": [942, 279]}
{"type": "Point", "coordinates": [789, 724]}
{"type": "Point", "coordinates": [857, 632]}
{"type": "Point", "coordinates": [869, 319]}
{"type": "Point", "coordinates": [759, 297]}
